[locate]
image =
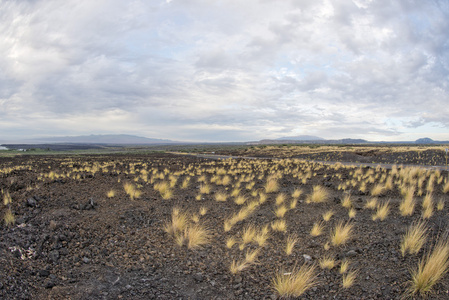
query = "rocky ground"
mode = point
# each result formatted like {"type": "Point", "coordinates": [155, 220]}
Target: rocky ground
{"type": "Point", "coordinates": [71, 241]}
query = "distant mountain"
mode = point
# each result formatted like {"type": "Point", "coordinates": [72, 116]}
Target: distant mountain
{"type": "Point", "coordinates": [424, 141]}
{"type": "Point", "coordinates": [117, 139]}
{"type": "Point", "coordinates": [301, 138]}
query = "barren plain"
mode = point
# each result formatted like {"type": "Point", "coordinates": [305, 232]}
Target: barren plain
{"type": "Point", "coordinates": [165, 226]}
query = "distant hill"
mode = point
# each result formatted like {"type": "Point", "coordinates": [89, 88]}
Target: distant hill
{"type": "Point", "coordinates": [301, 138]}
{"type": "Point", "coordinates": [424, 141]}
{"type": "Point", "coordinates": [118, 139]}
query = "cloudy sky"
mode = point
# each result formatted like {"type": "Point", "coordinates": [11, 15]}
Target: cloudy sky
{"type": "Point", "coordinates": [229, 70]}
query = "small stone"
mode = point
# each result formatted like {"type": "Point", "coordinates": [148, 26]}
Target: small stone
{"type": "Point", "coordinates": [44, 273]}
{"type": "Point", "coordinates": [86, 260]}
{"type": "Point", "coordinates": [351, 253]}
{"type": "Point", "coordinates": [198, 277]}
{"type": "Point", "coordinates": [49, 284]}
{"type": "Point", "coordinates": [307, 258]}
{"type": "Point", "coordinates": [31, 202]}
{"type": "Point", "coordinates": [54, 256]}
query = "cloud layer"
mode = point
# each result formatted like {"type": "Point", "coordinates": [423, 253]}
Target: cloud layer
{"type": "Point", "coordinates": [225, 70]}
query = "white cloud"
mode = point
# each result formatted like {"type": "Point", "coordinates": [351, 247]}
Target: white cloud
{"type": "Point", "coordinates": [232, 70]}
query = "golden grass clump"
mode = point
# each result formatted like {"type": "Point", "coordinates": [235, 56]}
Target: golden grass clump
{"type": "Point", "coordinates": [231, 241]}
{"type": "Point", "coordinates": [131, 190]}
{"type": "Point", "coordinates": [248, 234]}
{"type": "Point", "coordinates": [349, 279]}
{"type": "Point", "coordinates": [262, 198]}
{"type": "Point", "coordinates": [6, 198]}
{"type": "Point", "coordinates": [371, 203]}
{"type": "Point", "coordinates": [203, 210]}
{"type": "Point", "coordinates": [440, 204]}
{"type": "Point", "coordinates": [271, 185]}
{"type": "Point", "coordinates": [431, 269]}
{"type": "Point", "coordinates": [346, 201]}
{"type": "Point", "coordinates": [295, 283]}
{"type": "Point", "coordinates": [377, 190]}
{"type": "Point", "coordinates": [196, 236]}
{"type": "Point", "coordinates": [279, 225]}
{"type": "Point", "coordinates": [220, 197]}
{"type": "Point", "coordinates": [204, 189]}
{"type": "Point", "coordinates": [240, 200]}
{"type": "Point", "coordinates": [291, 242]}
{"type": "Point", "coordinates": [414, 238]}
{"type": "Point", "coordinates": [341, 233]}
{"type": "Point", "coordinates": [446, 187]}
{"type": "Point", "coordinates": [351, 213]}
{"type": "Point", "coordinates": [250, 258]}
{"type": "Point", "coordinates": [407, 205]}
{"type": "Point", "coordinates": [427, 205]}
{"type": "Point", "coordinates": [297, 193]}
{"type": "Point", "coordinates": [327, 262]}
{"type": "Point", "coordinates": [344, 266]}
{"type": "Point", "coordinates": [382, 211]}
{"type": "Point", "coordinates": [319, 194]}
{"type": "Point", "coordinates": [177, 224]}
{"type": "Point", "coordinates": [280, 199]}
{"type": "Point", "coordinates": [328, 215]}
{"type": "Point", "coordinates": [185, 183]}
{"type": "Point", "coordinates": [317, 229]}
{"type": "Point", "coordinates": [261, 236]}
{"type": "Point", "coordinates": [110, 194]}
{"type": "Point", "coordinates": [9, 218]}
{"type": "Point", "coordinates": [280, 211]}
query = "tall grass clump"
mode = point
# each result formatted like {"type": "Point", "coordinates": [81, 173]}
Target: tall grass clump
{"type": "Point", "coordinates": [382, 211]}
{"type": "Point", "coordinates": [414, 238]}
{"type": "Point", "coordinates": [431, 269]}
{"type": "Point", "coordinates": [9, 218]}
{"type": "Point", "coordinates": [131, 190]}
{"type": "Point", "coordinates": [295, 283]}
{"type": "Point", "coordinates": [291, 242]}
{"type": "Point", "coordinates": [317, 229]}
{"type": "Point", "coordinates": [349, 279]}
{"type": "Point", "coordinates": [319, 194]}
{"type": "Point", "coordinates": [407, 205]}
{"type": "Point", "coordinates": [271, 185]}
{"type": "Point", "coordinates": [341, 233]}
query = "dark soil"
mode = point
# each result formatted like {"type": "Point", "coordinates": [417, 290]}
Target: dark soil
{"type": "Point", "coordinates": [70, 241]}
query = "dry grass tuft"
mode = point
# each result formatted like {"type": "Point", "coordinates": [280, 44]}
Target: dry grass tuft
{"type": "Point", "coordinates": [240, 200]}
{"type": "Point", "coordinates": [346, 201]}
{"type": "Point", "coordinates": [341, 233]}
{"type": "Point", "coordinates": [382, 211]}
{"type": "Point", "coordinates": [131, 190]}
{"type": "Point", "coordinates": [294, 284]}
{"type": "Point", "coordinates": [377, 190]}
{"type": "Point", "coordinates": [231, 241]}
{"type": "Point", "coordinates": [9, 218]}
{"type": "Point", "coordinates": [352, 212]}
{"type": "Point", "coordinates": [279, 225]}
{"type": "Point", "coordinates": [317, 229]}
{"type": "Point", "coordinates": [220, 197]}
{"type": "Point", "coordinates": [327, 262]}
{"type": "Point", "coordinates": [297, 193]}
{"type": "Point", "coordinates": [280, 211]}
{"type": "Point", "coordinates": [248, 234]}
{"type": "Point", "coordinates": [431, 269]}
{"type": "Point", "coordinates": [291, 242]}
{"type": "Point", "coordinates": [110, 194]}
{"type": "Point", "coordinates": [371, 204]}
{"type": "Point", "coordinates": [328, 215]}
{"type": "Point", "coordinates": [319, 194]}
{"type": "Point", "coordinates": [414, 238]}
{"type": "Point", "coordinates": [196, 236]}
{"type": "Point", "coordinates": [407, 205]}
{"type": "Point", "coordinates": [272, 185]}
{"type": "Point", "coordinates": [440, 204]}
{"type": "Point", "coordinates": [344, 266]}
{"type": "Point", "coordinates": [349, 279]}
{"type": "Point", "coordinates": [280, 198]}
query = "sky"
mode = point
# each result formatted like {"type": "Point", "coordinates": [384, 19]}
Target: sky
{"type": "Point", "coordinates": [220, 71]}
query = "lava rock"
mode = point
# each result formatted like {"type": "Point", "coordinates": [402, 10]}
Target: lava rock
{"type": "Point", "coordinates": [54, 256]}
{"type": "Point", "coordinates": [31, 202]}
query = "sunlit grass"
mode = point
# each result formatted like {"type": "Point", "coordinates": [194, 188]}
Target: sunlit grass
{"type": "Point", "coordinates": [382, 211]}
{"type": "Point", "coordinates": [414, 238]}
{"type": "Point", "coordinates": [328, 215]}
{"type": "Point", "coordinates": [295, 283]}
{"type": "Point", "coordinates": [291, 242]}
{"type": "Point", "coordinates": [319, 194]}
{"type": "Point", "coordinates": [431, 269]}
{"type": "Point", "coordinates": [349, 279]}
{"type": "Point", "coordinates": [317, 229]}
{"type": "Point", "coordinates": [341, 233]}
